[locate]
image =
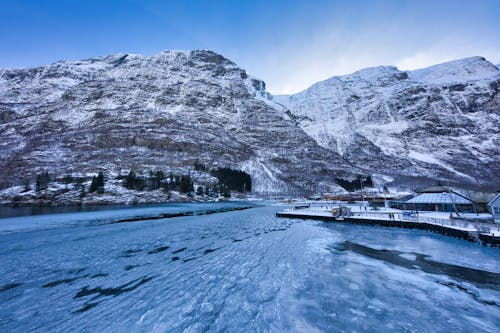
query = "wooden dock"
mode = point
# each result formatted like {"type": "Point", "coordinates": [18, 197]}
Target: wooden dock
{"type": "Point", "coordinates": [472, 236]}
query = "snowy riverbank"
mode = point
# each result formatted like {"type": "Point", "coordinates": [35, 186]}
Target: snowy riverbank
{"type": "Point", "coordinates": [59, 194]}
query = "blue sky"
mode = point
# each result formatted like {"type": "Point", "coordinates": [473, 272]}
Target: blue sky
{"type": "Point", "coordinates": [289, 44]}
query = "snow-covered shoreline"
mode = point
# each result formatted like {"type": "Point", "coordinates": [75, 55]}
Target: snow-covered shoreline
{"type": "Point", "coordinates": [59, 195]}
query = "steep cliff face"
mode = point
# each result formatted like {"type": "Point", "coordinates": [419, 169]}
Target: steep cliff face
{"type": "Point", "coordinates": [439, 123]}
{"type": "Point", "coordinates": [160, 112]}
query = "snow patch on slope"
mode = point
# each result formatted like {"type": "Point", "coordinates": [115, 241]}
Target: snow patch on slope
{"type": "Point", "coordinates": [468, 69]}
{"type": "Point", "coordinates": [263, 179]}
{"type": "Point", "coordinates": [427, 158]}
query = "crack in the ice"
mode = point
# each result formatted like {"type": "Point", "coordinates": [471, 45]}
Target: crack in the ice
{"type": "Point", "coordinates": [129, 267]}
{"type": "Point", "coordinates": [159, 249]}
{"type": "Point", "coordinates": [179, 250]}
{"type": "Point", "coordinates": [421, 262]}
{"type": "Point", "coordinates": [64, 281]}
{"type": "Point", "coordinates": [207, 251]}
{"type": "Point", "coordinates": [99, 275]}
{"type": "Point", "coordinates": [9, 286]}
{"type": "Point", "coordinates": [189, 259]}
{"type": "Point", "coordinates": [130, 253]}
{"type": "Point", "coordinates": [113, 291]}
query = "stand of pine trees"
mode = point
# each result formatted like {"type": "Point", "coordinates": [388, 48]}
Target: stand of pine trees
{"type": "Point", "coordinates": [42, 181]}
{"type": "Point", "coordinates": [355, 184]}
{"type": "Point", "coordinates": [97, 184]}
{"type": "Point", "coordinates": [186, 184]}
{"type": "Point", "coordinates": [157, 180]}
{"type": "Point", "coordinates": [229, 180]}
{"type": "Point", "coordinates": [133, 182]}
{"type": "Point", "coordinates": [233, 180]}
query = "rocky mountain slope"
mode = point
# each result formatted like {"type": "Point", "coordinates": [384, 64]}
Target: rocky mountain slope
{"type": "Point", "coordinates": [163, 112]}
{"type": "Point", "coordinates": [439, 123]}
{"type": "Point", "coordinates": [170, 110]}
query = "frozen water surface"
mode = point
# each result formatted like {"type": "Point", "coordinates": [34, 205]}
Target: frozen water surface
{"type": "Point", "coordinates": [238, 271]}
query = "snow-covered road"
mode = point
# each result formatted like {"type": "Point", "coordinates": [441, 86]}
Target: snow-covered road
{"type": "Point", "coordinates": [238, 271]}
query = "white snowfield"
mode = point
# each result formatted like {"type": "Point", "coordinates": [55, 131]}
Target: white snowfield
{"type": "Point", "coordinates": [240, 271]}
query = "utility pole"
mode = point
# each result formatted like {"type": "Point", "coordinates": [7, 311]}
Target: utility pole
{"type": "Point", "coordinates": [361, 183]}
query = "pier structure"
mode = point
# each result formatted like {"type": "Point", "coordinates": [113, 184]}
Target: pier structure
{"type": "Point", "coordinates": [476, 228]}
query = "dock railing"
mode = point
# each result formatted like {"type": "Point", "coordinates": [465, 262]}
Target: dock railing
{"type": "Point", "coordinates": [310, 211]}
{"type": "Point", "coordinates": [482, 227]}
{"type": "Point", "coordinates": [456, 222]}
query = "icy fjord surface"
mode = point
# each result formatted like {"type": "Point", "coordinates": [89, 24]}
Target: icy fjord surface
{"type": "Point", "coordinates": [240, 271]}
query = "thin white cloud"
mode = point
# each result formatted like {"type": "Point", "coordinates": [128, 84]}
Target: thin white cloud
{"type": "Point", "coordinates": [421, 60]}
{"type": "Point", "coordinates": [315, 63]}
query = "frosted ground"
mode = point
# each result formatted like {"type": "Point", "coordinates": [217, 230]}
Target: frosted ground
{"type": "Point", "coordinates": [238, 271]}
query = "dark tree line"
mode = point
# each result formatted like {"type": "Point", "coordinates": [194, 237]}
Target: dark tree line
{"type": "Point", "coordinates": [235, 180]}
{"type": "Point", "coordinates": [229, 180]}
{"type": "Point", "coordinates": [157, 180]}
{"type": "Point", "coordinates": [354, 185]}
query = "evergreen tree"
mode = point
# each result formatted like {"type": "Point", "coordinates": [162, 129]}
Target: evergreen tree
{"type": "Point", "coordinates": [93, 185]}
{"type": "Point", "coordinates": [100, 182]}
{"type": "Point", "coordinates": [42, 181]}
{"type": "Point", "coordinates": [199, 191]}
{"type": "Point", "coordinates": [97, 184]}
{"type": "Point", "coordinates": [186, 185]}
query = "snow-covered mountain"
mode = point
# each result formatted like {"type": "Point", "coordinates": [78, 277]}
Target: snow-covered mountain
{"type": "Point", "coordinates": [172, 109]}
{"type": "Point", "coordinates": [440, 123]}
{"type": "Point", "coordinates": [162, 112]}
